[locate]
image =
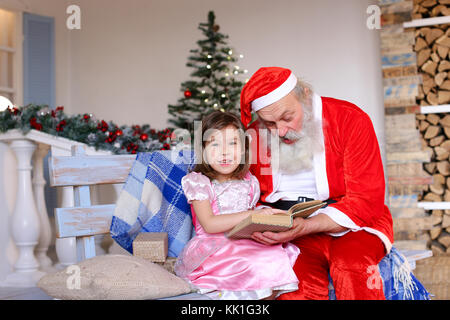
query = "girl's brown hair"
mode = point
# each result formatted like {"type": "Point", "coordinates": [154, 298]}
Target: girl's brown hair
{"type": "Point", "coordinates": [219, 120]}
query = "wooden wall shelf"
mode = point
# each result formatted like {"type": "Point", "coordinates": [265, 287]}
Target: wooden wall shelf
{"type": "Point", "coordinates": [433, 205]}
{"type": "Point", "coordinates": [426, 22]}
{"type": "Point", "coordinates": [435, 109]}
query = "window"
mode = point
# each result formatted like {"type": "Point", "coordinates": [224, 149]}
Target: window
{"type": "Point", "coordinates": [38, 60]}
{"type": "Point", "coordinates": [8, 49]}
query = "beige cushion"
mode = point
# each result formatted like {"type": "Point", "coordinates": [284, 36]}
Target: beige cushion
{"type": "Point", "coordinates": [113, 277]}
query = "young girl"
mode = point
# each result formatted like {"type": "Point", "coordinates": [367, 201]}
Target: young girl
{"type": "Point", "coordinates": [222, 192]}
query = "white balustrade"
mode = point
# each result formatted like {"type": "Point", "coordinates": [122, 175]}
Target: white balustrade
{"type": "Point", "coordinates": [25, 225]}
{"type": "Point", "coordinates": [45, 233]}
{"type": "Point", "coordinates": [30, 227]}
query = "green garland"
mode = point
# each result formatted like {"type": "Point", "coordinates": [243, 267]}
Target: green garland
{"type": "Point", "coordinates": [86, 129]}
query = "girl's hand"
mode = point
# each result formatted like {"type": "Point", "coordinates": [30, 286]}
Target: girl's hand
{"type": "Point", "coordinates": [270, 211]}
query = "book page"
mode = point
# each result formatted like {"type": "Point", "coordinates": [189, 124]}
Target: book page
{"type": "Point", "coordinates": [305, 209]}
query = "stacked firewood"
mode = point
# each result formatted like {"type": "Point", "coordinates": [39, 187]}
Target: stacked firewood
{"type": "Point", "coordinates": [430, 8]}
{"type": "Point", "coordinates": [432, 48]}
{"type": "Point", "coordinates": [405, 153]}
{"type": "Point", "coordinates": [407, 179]}
{"type": "Point", "coordinates": [435, 130]}
{"type": "Point", "coordinates": [416, 72]}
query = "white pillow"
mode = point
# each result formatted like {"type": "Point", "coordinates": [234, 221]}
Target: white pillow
{"type": "Point", "coordinates": [113, 277]}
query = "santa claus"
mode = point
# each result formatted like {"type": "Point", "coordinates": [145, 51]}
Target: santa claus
{"type": "Point", "coordinates": [327, 150]}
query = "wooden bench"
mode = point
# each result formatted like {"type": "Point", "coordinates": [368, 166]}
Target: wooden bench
{"type": "Point", "coordinates": [83, 221]}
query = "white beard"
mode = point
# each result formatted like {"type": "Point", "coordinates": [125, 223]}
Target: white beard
{"type": "Point", "coordinates": [295, 157]}
{"type": "Point", "coordinates": [298, 156]}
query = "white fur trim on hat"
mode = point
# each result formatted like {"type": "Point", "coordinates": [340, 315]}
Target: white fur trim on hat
{"type": "Point", "coordinates": [276, 94]}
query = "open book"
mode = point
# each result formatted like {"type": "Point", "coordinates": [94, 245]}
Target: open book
{"type": "Point", "coordinates": [276, 222]}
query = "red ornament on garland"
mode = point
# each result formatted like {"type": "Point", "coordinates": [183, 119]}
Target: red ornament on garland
{"type": "Point", "coordinates": [144, 137]}
{"type": "Point", "coordinates": [188, 94]}
{"type": "Point", "coordinates": [102, 126]}
{"type": "Point", "coordinates": [35, 125]}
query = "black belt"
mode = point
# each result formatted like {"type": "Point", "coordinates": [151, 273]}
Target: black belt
{"type": "Point", "coordinates": [286, 204]}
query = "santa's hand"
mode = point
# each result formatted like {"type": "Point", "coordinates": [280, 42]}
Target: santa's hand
{"type": "Point", "coordinates": [271, 238]}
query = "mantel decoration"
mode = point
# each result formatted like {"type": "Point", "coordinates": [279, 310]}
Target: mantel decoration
{"type": "Point", "coordinates": [86, 128]}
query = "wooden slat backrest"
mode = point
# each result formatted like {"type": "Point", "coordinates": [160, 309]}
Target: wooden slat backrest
{"type": "Point", "coordinates": [83, 221]}
{"type": "Point", "coordinates": [81, 171]}
{"type": "Point", "coordinates": [89, 170]}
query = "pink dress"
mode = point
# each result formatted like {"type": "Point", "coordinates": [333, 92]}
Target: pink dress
{"type": "Point", "coordinates": [232, 269]}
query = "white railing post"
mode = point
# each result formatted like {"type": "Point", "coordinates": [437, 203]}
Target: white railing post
{"type": "Point", "coordinates": [5, 211]}
{"type": "Point", "coordinates": [30, 226]}
{"type": "Point", "coordinates": [45, 235]}
{"type": "Point", "coordinates": [25, 220]}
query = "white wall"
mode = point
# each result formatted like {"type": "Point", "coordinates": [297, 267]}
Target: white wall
{"type": "Point", "coordinates": [128, 60]}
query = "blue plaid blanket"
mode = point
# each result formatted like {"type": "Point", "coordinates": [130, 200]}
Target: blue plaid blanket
{"type": "Point", "coordinates": [152, 200]}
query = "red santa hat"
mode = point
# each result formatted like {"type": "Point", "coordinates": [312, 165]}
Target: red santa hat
{"type": "Point", "coordinates": [266, 86]}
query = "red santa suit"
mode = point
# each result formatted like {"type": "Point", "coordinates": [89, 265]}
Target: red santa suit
{"type": "Point", "coordinates": [348, 170]}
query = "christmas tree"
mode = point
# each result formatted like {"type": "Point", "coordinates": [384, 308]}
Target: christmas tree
{"type": "Point", "coordinates": [215, 84]}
